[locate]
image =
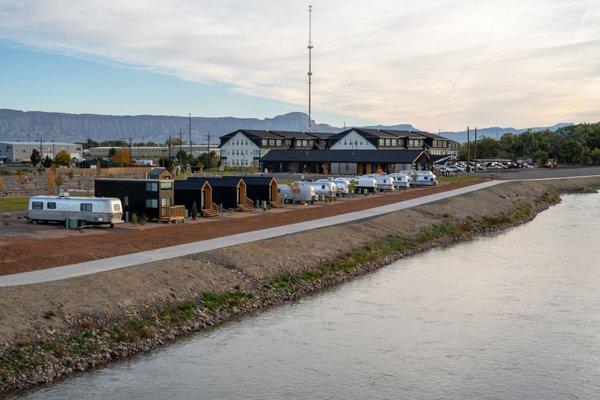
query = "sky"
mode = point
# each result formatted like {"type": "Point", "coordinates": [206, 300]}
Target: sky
{"type": "Point", "coordinates": [436, 64]}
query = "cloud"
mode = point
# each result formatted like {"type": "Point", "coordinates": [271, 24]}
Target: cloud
{"type": "Point", "coordinates": [437, 64]}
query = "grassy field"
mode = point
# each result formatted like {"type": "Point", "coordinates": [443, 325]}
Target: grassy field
{"type": "Point", "coordinates": [13, 204]}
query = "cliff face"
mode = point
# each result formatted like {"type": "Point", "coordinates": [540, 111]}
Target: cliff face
{"type": "Point", "coordinates": [20, 125]}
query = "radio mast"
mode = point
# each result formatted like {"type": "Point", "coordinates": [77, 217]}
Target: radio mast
{"type": "Point", "coordinates": [310, 47]}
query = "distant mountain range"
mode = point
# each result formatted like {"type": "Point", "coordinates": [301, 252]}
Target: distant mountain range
{"type": "Point", "coordinates": [21, 125]}
{"type": "Point", "coordinates": [24, 125]}
{"type": "Point", "coordinates": [495, 131]}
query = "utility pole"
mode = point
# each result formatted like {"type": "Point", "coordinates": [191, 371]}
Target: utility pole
{"type": "Point", "coordinates": [208, 150]}
{"type": "Point", "coordinates": [475, 149]}
{"type": "Point", "coordinates": [310, 47]}
{"type": "Point", "coordinates": [170, 147]}
{"type": "Point", "coordinates": [190, 132]}
{"type": "Point", "coordinates": [468, 144]}
{"type": "Point", "coordinates": [130, 151]}
{"type": "Point", "coordinates": [180, 147]}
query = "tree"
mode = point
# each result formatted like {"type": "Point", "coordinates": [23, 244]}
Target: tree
{"type": "Point", "coordinates": [47, 162]}
{"type": "Point", "coordinates": [111, 152]}
{"type": "Point", "coordinates": [595, 156]}
{"type": "Point", "coordinates": [208, 160]}
{"type": "Point", "coordinates": [89, 144]}
{"type": "Point", "coordinates": [182, 157]}
{"type": "Point", "coordinates": [2, 186]}
{"type": "Point", "coordinates": [194, 211]}
{"type": "Point", "coordinates": [35, 157]}
{"type": "Point", "coordinates": [173, 142]}
{"type": "Point", "coordinates": [122, 157]}
{"type": "Point", "coordinates": [570, 151]}
{"type": "Point", "coordinates": [540, 156]}
{"type": "Point", "coordinates": [62, 158]}
{"type": "Point", "coordinates": [59, 180]}
{"type": "Point", "coordinates": [166, 162]}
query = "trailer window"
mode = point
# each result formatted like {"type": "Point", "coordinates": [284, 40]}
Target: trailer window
{"type": "Point", "coordinates": [37, 205]}
{"type": "Point", "coordinates": [86, 207]}
{"type": "Point", "coordinates": [117, 207]}
{"type": "Point", "coordinates": [51, 205]}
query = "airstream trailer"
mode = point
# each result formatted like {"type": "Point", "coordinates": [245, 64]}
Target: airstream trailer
{"type": "Point", "coordinates": [286, 193]}
{"type": "Point", "coordinates": [305, 192]}
{"type": "Point", "coordinates": [365, 183]}
{"type": "Point", "coordinates": [299, 193]}
{"type": "Point", "coordinates": [384, 182]}
{"type": "Point", "coordinates": [401, 181]}
{"type": "Point", "coordinates": [85, 210]}
{"type": "Point", "coordinates": [425, 179]}
{"type": "Point", "coordinates": [325, 188]}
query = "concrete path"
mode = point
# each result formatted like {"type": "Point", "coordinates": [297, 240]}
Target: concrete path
{"type": "Point", "coordinates": [165, 253]}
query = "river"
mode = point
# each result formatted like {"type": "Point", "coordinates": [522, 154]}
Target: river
{"type": "Point", "coordinates": [510, 316]}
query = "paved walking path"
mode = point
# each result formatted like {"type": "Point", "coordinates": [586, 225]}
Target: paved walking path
{"type": "Point", "coordinates": [165, 253]}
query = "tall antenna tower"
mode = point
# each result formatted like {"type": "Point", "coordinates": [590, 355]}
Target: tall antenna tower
{"type": "Point", "coordinates": [310, 47]}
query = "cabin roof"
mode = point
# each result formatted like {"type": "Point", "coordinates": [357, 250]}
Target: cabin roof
{"type": "Point", "coordinates": [256, 180]}
{"type": "Point", "coordinates": [225, 181]}
{"type": "Point", "coordinates": [190, 184]}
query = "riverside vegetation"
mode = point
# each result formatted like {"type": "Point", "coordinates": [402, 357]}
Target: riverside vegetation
{"type": "Point", "coordinates": [90, 340]}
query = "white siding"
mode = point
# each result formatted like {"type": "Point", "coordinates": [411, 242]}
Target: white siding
{"type": "Point", "coordinates": [353, 141]}
{"type": "Point", "coordinates": [239, 151]}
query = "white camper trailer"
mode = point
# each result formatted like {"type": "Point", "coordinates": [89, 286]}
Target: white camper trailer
{"type": "Point", "coordinates": [384, 182]}
{"type": "Point", "coordinates": [298, 193]}
{"type": "Point", "coordinates": [425, 178]}
{"type": "Point", "coordinates": [401, 181]}
{"type": "Point", "coordinates": [84, 210]}
{"type": "Point", "coordinates": [325, 188]}
{"type": "Point", "coordinates": [365, 183]}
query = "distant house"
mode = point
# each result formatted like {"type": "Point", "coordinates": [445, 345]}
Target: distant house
{"type": "Point", "coordinates": [245, 147]}
{"type": "Point", "coordinates": [21, 151]}
{"type": "Point", "coordinates": [159, 173]}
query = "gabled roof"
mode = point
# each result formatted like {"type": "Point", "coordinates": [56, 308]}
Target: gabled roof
{"type": "Point", "coordinates": [319, 135]}
{"type": "Point", "coordinates": [256, 180]}
{"type": "Point", "coordinates": [345, 156]}
{"type": "Point", "coordinates": [155, 172]}
{"type": "Point", "coordinates": [268, 134]}
{"type": "Point", "coordinates": [223, 181]}
{"type": "Point", "coordinates": [190, 184]}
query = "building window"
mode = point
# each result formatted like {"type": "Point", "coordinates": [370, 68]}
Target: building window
{"type": "Point", "coordinates": [126, 201]}
{"type": "Point", "coordinates": [151, 203]}
{"type": "Point", "coordinates": [265, 142]}
{"type": "Point", "coordinates": [86, 207]}
{"type": "Point", "coordinates": [166, 185]}
{"type": "Point", "coordinates": [51, 205]}
{"type": "Point", "coordinates": [151, 186]}
{"type": "Point", "coordinates": [165, 202]}
{"type": "Point", "coordinates": [37, 205]}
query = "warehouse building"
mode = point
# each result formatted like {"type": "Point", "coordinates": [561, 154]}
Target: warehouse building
{"type": "Point", "coordinates": [153, 152]}
{"type": "Point", "coordinates": [16, 152]}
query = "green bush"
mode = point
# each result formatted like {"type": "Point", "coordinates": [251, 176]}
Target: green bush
{"type": "Point", "coordinates": [194, 211]}
{"type": "Point", "coordinates": [134, 218]}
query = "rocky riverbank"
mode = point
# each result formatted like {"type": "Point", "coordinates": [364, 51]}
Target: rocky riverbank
{"type": "Point", "coordinates": [52, 330]}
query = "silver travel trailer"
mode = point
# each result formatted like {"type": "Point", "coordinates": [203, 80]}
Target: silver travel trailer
{"type": "Point", "coordinates": [425, 178]}
{"type": "Point", "coordinates": [401, 181]}
{"type": "Point", "coordinates": [384, 182]}
{"type": "Point", "coordinates": [365, 183]}
{"type": "Point", "coordinates": [83, 210]}
{"type": "Point", "coordinates": [301, 193]}
{"type": "Point", "coordinates": [325, 188]}
{"type": "Point", "coordinates": [342, 185]}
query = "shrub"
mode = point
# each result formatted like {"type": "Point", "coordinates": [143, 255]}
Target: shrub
{"type": "Point", "coordinates": [134, 218]}
{"type": "Point", "coordinates": [194, 211]}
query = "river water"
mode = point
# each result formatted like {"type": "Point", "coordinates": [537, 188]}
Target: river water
{"type": "Point", "coordinates": [512, 316]}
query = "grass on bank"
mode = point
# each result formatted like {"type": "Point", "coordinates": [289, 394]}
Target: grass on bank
{"type": "Point", "coordinates": [15, 204]}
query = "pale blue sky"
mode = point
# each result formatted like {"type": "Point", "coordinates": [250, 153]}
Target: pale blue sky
{"type": "Point", "coordinates": [437, 64]}
{"type": "Point", "coordinates": [34, 80]}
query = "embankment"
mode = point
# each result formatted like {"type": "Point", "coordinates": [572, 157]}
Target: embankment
{"type": "Point", "coordinates": [51, 330]}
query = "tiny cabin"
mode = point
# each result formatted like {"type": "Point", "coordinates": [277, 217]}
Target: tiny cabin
{"type": "Point", "coordinates": [262, 188]}
{"type": "Point", "coordinates": [190, 191]}
{"type": "Point", "coordinates": [152, 198]}
{"type": "Point", "coordinates": [84, 210]}
{"type": "Point", "coordinates": [228, 192]}
{"type": "Point", "coordinates": [159, 173]}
